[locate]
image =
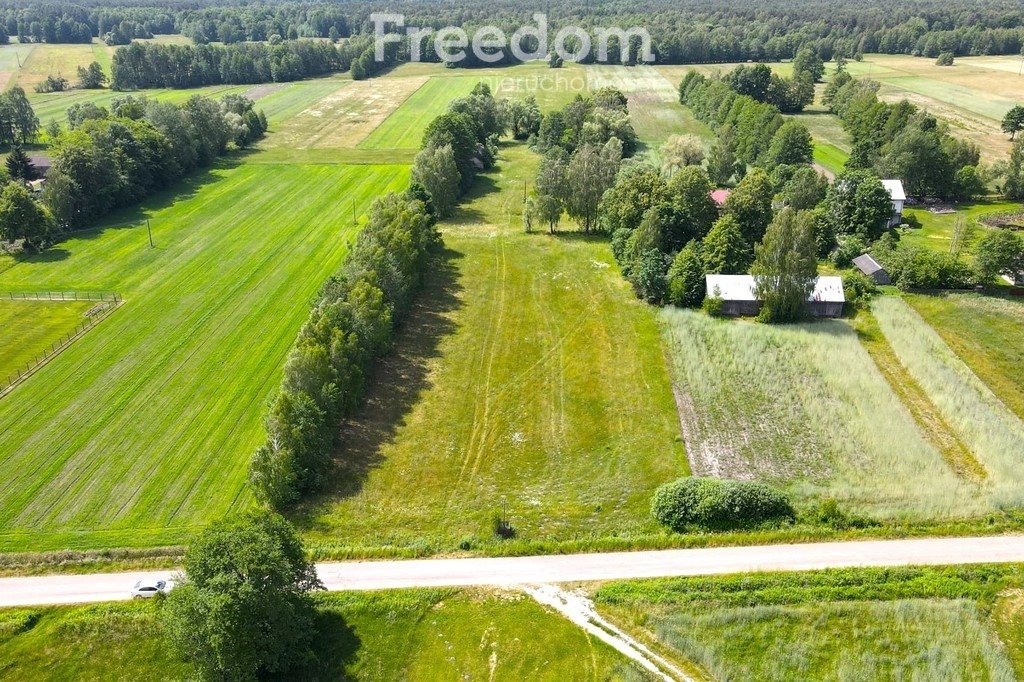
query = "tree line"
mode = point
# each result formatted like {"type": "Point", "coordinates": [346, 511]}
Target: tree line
{"type": "Point", "coordinates": [109, 159]}
{"type": "Point", "coordinates": [155, 65]}
{"type": "Point", "coordinates": [689, 31]}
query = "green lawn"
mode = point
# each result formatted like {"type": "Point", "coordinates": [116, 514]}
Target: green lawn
{"type": "Point", "coordinates": [29, 328]}
{"type": "Point", "coordinates": [408, 635]}
{"type": "Point", "coordinates": [804, 406]}
{"type": "Point", "coordinates": [142, 430]}
{"type": "Point", "coordinates": [528, 379]}
{"type": "Point", "coordinates": [403, 129]}
{"type": "Point", "coordinates": [856, 624]}
{"type": "Point", "coordinates": [935, 231]}
{"type": "Point", "coordinates": [987, 334]}
{"type": "Point", "coordinates": [830, 157]}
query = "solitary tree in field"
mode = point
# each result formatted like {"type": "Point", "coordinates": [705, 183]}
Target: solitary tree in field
{"type": "Point", "coordinates": [786, 266]}
{"type": "Point", "coordinates": [1013, 122]}
{"type": "Point", "coordinates": [91, 77]}
{"type": "Point", "coordinates": [243, 610]}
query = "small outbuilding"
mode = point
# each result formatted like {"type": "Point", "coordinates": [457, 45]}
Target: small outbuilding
{"type": "Point", "coordinates": [41, 163]}
{"type": "Point", "coordinates": [739, 297]}
{"type": "Point", "coordinates": [872, 268]}
{"type": "Point", "coordinates": [898, 196]}
{"type": "Point", "coordinates": [719, 196]}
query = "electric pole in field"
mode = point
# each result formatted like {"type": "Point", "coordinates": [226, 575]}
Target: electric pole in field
{"type": "Point", "coordinates": [149, 229]}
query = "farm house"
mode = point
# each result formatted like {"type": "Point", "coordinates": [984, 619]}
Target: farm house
{"type": "Point", "coordinates": [872, 268]}
{"type": "Point", "coordinates": [739, 298]}
{"type": "Point", "coordinates": [898, 196]}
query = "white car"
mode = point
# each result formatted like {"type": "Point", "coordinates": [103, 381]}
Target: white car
{"type": "Point", "coordinates": [147, 589]}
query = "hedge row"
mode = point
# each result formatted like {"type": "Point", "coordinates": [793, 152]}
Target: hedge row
{"type": "Point", "coordinates": [351, 324]}
{"type": "Point", "coordinates": [715, 504]}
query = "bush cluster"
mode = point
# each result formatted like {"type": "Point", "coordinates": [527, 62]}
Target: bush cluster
{"type": "Point", "coordinates": [351, 324]}
{"type": "Point", "coordinates": [716, 504]}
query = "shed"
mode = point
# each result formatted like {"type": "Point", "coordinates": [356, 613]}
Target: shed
{"type": "Point", "coordinates": [41, 163]}
{"type": "Point", "coordinates": [739, 298]}
{"type": "Point", "coordinates": [872, 268]}
{"type": "Point", "coordinates": [898, 196]}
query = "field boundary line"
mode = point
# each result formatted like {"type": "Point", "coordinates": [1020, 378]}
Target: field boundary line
{"type": "Point", "coordinates": [392, 113]}
{"type": "Point", "coordinates": [109, 303]}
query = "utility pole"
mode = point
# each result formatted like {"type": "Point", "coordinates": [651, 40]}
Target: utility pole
{"type": "Point", "coordinates": [149, 229]}
{"type": "Point", "coordinates": [354, 212]}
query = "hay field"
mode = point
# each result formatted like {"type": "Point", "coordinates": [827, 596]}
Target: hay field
{"type": "Point", "coordinates": [28, 328]}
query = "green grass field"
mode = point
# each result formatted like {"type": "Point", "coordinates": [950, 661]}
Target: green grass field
{"type": "Point", "coordinates": [403, 129]}
{"type": "Point", "coordinates": [280, 101]}
{"type": "Point", "coordinates": [529, 379]}
{"type": "Point", "coordinates": [29, 328]}
{"type": "Point", "coordinates": [986, 334]}
{"type": "Point", "coordinates": [143, 429]}
{"type": "Point", "coordinates": [803, 406]}
{"type": "Point", "coordinates": [408, 635]}
{"type": "Point", "coordinates": [856, 624]}
{"type": "Point", "coordinates": [935, 231]}
{"type": "Point", "coordinates": [992, 432]}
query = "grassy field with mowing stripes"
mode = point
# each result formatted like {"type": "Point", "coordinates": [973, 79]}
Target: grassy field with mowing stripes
{"type": "Point", "coordinates": [28, 328]}
{"type": "Point", "coordinates": [144, 427]}
{"type": "Point", "coordinates": [403, 129]}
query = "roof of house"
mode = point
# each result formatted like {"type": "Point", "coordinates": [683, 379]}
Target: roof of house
{"type": "Point", "coordinates": [40, 161]}
{"type": "Point", "coordinates": [867, 264]}
{"type": "Point", "coordinates": [827, 289]}
{"type": "Point", "coordinates": [720, 195]}
{"type": "Point", "coordinates": [895, 189]}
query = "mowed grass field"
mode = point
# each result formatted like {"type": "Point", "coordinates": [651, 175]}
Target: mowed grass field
{"type": "Point", "coordinates": [528, 382]}
{"type": "Point", "coordinates": [142, 430]}
{"type": "Point", "coordinates": [409, 635]}
{"type": "Point", "coordinates": [805, 407]}
{"type": "Point", "coordinates": [404, 127]}
{"type": "Point", "coordinates": [29, 328]}
{"type": "Point", "coordinates": [858, 624]}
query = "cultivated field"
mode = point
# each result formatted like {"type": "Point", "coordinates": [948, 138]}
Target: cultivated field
{"type": "Point", "coordinates": [143, 428]}
{"type": "Point", "coordinates": [861, 624]}
{"type": "Point", "coordinates": [804, 406]}
{"type": "Point", "coordinates": [986, 334]}
{"type": "Point", "coordinates": [529, 382]}
{"type": "Point", "coordinates": [28, 328]}
{"type": "Point", "coordinates": [409, 635]}
{"type": "Point", "coordinates": [992, 432]}
{"type": "Point", "coordinates": [56, 60]}
{"type": "Point", "coordinates": [973, 94]}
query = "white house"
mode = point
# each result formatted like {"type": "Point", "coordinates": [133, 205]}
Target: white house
{"type": "Point", "coordinates": [898, 196]}
{"type": "Point", "coordinates": [739, 298]}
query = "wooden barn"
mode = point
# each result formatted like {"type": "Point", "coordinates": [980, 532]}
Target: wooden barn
{"type": "Point", "coordinates": [740, 300]}
{"type": "Point", "coordinates": [872, 268]}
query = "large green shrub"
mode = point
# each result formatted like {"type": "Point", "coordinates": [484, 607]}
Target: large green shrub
{"type": "Point", "coordinates": [715, 504]}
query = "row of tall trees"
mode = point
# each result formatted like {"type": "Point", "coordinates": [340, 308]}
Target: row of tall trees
{"type": "Point", "coordinates": [900, 141]}
{"type": "Point", "coordinates": [351, 324]}
{"type": "Point", "coordinates": [157, 65]}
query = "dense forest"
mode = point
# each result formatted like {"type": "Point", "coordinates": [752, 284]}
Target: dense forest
{"type": "Point", "coordinates": [687, 31]}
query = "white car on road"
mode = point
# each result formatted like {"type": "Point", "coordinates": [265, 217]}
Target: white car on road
{"type": "Point", "coordinates": [144, 589]}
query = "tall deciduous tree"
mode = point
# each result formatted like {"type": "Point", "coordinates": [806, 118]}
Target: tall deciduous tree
{"type": "Point", "coordinates": [857, 203]}
{"type": "Point", "coordinates": [999, 252]}
{"type": "Point", "coordinates": [436, 170]}
{"type": "Point", "coordinates": [751, 204]}
{"type": "Point", "coordinates": [1013, 121]}
{"type": "Point", "coordinates": [680, 151]}
{"type": "Point", "coordinates": [21, 217]}
{"type": "Point", "coordinates": [791, 145]}
{"type": "Point", "coordinates": [725, 252]}
{"type": "Point", "coordinates": [785, 266]}
{"type": "Point", "coordinates": [243, 609]}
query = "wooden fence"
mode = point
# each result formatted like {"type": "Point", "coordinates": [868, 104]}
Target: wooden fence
{"type": "Point", "coordinates": [106, 304]}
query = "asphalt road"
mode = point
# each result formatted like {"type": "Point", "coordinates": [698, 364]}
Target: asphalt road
{"type": "Point", "coordinates": [503, 571]}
